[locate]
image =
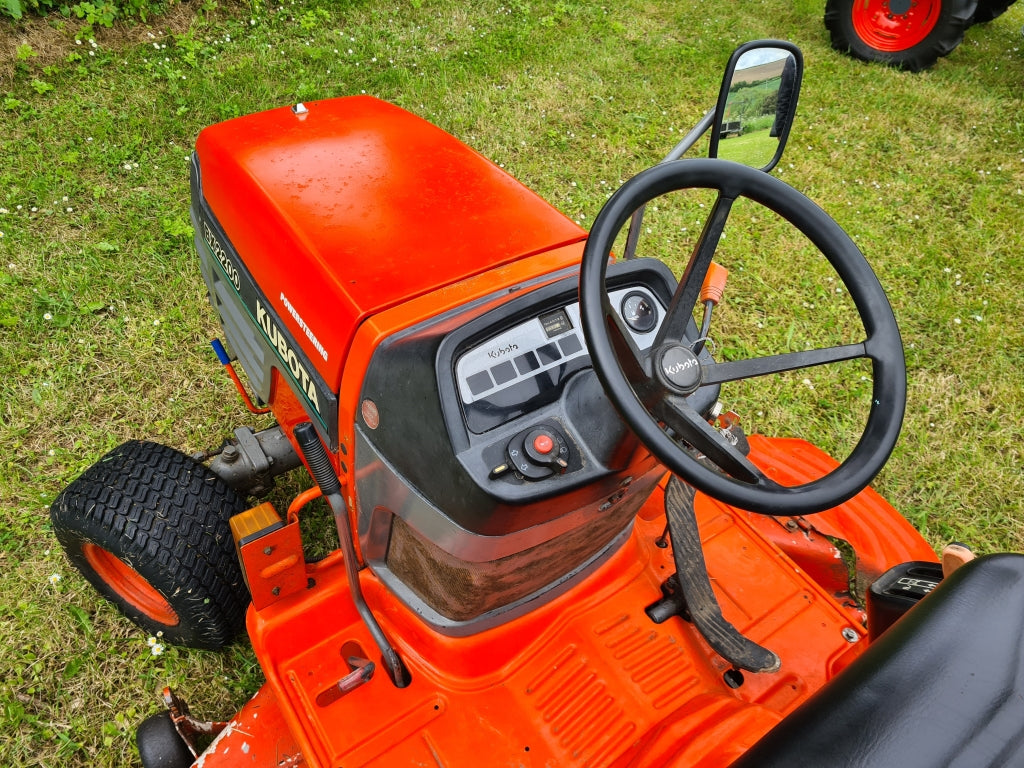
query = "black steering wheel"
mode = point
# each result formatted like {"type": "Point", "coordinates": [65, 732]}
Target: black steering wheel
{"type": "Point", "coordinates": [651, 390]}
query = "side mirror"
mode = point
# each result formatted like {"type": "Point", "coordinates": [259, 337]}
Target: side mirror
{"type": "Point", "coordinates": [757, 103]}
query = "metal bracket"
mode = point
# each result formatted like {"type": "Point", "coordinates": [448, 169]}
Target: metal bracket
{"type": "Point", "coordinates": [189, 728]}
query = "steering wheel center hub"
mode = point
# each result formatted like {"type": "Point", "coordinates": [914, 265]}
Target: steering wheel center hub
{"type": "Point", "coordinates": [679, 369]}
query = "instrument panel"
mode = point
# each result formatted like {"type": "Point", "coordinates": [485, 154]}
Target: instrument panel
{"type": "Point", "coordinates": [525, 366]}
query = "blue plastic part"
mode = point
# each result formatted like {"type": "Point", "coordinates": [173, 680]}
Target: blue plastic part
{"type": "Point", "coordinates": [222, 354]}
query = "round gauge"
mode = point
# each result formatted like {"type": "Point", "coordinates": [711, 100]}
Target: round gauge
{"type": "Point", "coordinates": [639, 312]}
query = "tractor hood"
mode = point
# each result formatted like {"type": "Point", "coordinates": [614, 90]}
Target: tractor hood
{"type": "Point", "coordinates": [340, 209]}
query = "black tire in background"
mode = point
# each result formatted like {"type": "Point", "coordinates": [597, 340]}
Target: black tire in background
{"type": "Point", "coordinates": [909, 34]}
{"type": "Point", "coordinates": [160, 745]}
{"type": "Point", "coordinates": [990, 9]}
{"type": "Point", "coordinates": [148, 527]}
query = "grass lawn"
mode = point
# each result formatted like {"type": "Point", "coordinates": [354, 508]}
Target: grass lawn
{"type": "Point", "coordinates": [750, 149]}
{"type": "Point", "coordinates": [104, 324]}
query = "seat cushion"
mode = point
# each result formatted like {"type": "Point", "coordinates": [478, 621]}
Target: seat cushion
{"type": "Point", "coordinates": [944, 686]}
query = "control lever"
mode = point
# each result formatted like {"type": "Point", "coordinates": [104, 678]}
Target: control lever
{"type": "Point", "coordinates": [361, 670]}
{"type": "Point", "coordinates": [710, 294]}
{"type": "Point", "coordinates": [323, 472]}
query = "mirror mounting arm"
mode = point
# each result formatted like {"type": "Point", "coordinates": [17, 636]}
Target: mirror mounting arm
{"type": "Point", "coordinates": [691, 138]}
{"type": "Point", "coordinates": [769, 71]}
{"type": "Point", "coordinates": [680, 149]}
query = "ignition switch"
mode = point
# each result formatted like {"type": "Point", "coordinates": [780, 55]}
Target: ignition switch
{"type": "Point", "coordinates": [537, 453]}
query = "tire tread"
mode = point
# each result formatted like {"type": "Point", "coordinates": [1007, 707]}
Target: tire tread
{"type": "Point", "coordinates": [166, 515]}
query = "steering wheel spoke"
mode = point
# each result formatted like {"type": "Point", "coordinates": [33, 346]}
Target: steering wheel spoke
{"type": "Point", "coordinates": [694, 429]}
{"type": "Point", "coordinates": [680, 311]}
{"type": "Point", "coordinates": [631, 359]}
{"type": "Point", "coordinates": [719, 373]}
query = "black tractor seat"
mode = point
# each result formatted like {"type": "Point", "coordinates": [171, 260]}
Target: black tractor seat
{"type": "Point", "coordinates": [944, 686]}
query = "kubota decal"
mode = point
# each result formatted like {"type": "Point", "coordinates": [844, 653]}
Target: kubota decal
{"type": "Point", "coordinates": [319, 401]}
{"type": "Point", "coordinates": [279, 341]}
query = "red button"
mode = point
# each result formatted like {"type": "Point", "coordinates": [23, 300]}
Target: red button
{"type": "Point", "coordinates": [543, 444]}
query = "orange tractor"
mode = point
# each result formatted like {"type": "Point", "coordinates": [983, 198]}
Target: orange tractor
{"type": "Point", "coordinates": [556, 547]}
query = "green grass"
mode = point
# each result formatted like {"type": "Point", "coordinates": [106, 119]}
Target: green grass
{"type": "Point", "coordinates": [104, 322]}
{"type": "Point", "coordinates": [754, 148]}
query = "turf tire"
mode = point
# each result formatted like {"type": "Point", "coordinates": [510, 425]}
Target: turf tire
{"type": "Point", "coordinates": [148, 527]}
{"type": "Point", "coordinates": [160, 745]}
{"type": "Point", "coordinates": [991, 9]}
{"type": "Point", "coordinates": [843, 18]}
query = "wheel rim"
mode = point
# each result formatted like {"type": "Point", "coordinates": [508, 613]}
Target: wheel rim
{"type": "Point", "coordinates": [129, 585]}
{"type": "Point", "coordinates": [894, 25]}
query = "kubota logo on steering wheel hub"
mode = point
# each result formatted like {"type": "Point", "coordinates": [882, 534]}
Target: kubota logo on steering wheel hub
{"type": "Point", "coordinates": [680, 368]}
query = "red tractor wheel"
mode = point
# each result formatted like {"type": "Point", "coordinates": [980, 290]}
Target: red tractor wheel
{"type": "Point", "coordinates": [910, 34]}
{"type": "Point", "coordinates": [148, 527]}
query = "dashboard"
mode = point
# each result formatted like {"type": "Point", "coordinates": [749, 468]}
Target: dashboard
{"type": "Point", "coordinates": [496, 407]}
{"type": "Point", "coordinates": [526, 366]}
